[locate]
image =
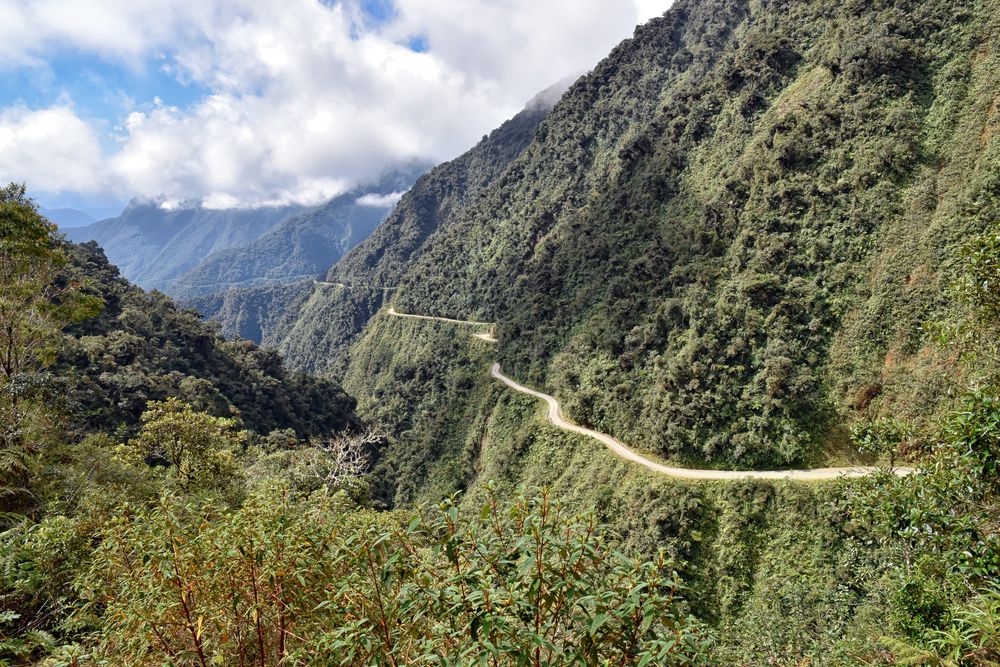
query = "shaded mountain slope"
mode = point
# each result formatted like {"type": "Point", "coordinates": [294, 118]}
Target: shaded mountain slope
{"type": "Point", "coordinates": [67, 217]}
{"type": "Point", "coordinates": [258, 313]}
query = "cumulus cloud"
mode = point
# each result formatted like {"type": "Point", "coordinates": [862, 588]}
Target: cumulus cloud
{"type": "Point", "coordinates": [305, 98]}
{"type": "Point", "coordinates": [51, 146]}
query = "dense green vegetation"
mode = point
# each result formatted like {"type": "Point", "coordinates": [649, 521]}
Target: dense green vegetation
{"type": "Point", "coordinates": [307, 582]}
{"type": "Point", "coordinates": [142, 347]}
{"type": "Point", "coordinates": [317, 334]}
{"type": "Point", "coordinates": [758, 234]}
{"type": "Point", "coordinates": [231, 522]}
{"type": "Point", "coordinates": [254, 313]}
{"type": "Point", "coordinates": [725, 242]}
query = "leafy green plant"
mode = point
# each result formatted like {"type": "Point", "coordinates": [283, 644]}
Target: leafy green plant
{"type": "Point", "coordinates": [282, 580]}
{"type": "Point", "coordinates": [972, 638]}
{"type": "Point", "coordinates": [882, 437]}
{"type": "Point", "coordinates": [35, 304]}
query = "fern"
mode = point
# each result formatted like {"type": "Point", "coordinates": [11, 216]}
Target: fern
{"type": "Point", "coordinates": [911, 656]}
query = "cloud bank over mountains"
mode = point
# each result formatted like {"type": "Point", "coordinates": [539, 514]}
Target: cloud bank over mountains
{"type": "Point", "coordinates": [292, 101]}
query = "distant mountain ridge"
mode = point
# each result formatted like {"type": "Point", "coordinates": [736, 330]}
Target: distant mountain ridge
{"type": "Point", "coordinates": [199, 255]}
{"type": "Point", "coordinates": [67, 217]}
{"type": "Point", "coordinates": [153, 246]}
{"type": "Point", "coordinates": [303, 245]}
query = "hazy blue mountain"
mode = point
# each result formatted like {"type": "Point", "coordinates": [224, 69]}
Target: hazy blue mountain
{"type": "Point", "coordinates": [304, 245]}
{"type": "Point", "coordinates": [153, 246]}
{"type": "Point", "coordinates": [67, 217]}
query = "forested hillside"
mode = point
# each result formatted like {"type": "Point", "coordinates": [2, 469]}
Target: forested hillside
{"type": "Point", "coordinates": [258, 313]}
{"type": "Point", "coordinates": [726, 241]}
{"type": "Point", "coordinates": [141, 347]}
{"type": "Point", "coordinates": [760, 234]}
{"type": "Point", "coordinates": [252, 290]}
{"type": "Point", "coordinates": [738, 242]}
{"type": "Point", "coordinates": [228, 519]}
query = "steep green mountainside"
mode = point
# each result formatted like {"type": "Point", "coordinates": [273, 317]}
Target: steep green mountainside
{"type": "Point", "coordinates": [258, 313]}
{"type": "Point", "coordinates": [304, 245]}
{"type": "Point", "coordinates": [722, 245]}
{"type": "Point", "coordinates": [760, 233]}
{"type": "Point", "coordinates": [184, 538]}
{"type": "Point", "coordinates": [318, 334]}
{"type": "Point", "coordinates": [142, 347]}
{"type": "Point", "coordinates": [153, 246]}
{"type": "Point", "coordinates": [730, 243]}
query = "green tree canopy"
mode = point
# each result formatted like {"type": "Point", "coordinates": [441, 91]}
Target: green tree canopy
{"type": "Point", "coordinates": [198, 449]}
{"type": "Point", "coordinates": [36, 303]}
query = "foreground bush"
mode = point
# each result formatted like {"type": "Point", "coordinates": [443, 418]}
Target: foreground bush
{"type": "Point", "coordinates": [291, 582]}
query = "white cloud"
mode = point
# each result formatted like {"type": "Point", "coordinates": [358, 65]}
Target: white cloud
{"type": "Point", "coordinates": [650, 8]}
{"type": "Point", "coordinates": [51, 146]}
{"type": "Point", "coordinates": [305, 99]}
{"type": "Point", "coordinates": [375, 200]}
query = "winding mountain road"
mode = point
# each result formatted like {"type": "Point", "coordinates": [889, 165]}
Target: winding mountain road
{"type": "Point", "coordinates": [555, 416]}
{"type": "Point", "coordinates": [324, 283]}
{"type": "Point", "coordinates": [804, 475]}
{"type": "Point", "coordinates": [395, 313]}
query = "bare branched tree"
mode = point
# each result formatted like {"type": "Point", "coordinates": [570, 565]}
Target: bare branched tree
{"type": "Point", "coordinates": [342, 457]}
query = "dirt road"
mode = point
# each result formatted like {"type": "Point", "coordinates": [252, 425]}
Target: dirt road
{"type": "Point", "coordinates": [619, 449]}
{"type": "Point", "coordinates": [395, 313]}
{"type": "Point", "coordinates": [810, 474]}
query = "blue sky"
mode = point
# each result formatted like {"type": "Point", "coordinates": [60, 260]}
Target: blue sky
{"type": "Point", "coordinates": [102, 92]}
{"type": "Point", "coordinates": [244, 102]}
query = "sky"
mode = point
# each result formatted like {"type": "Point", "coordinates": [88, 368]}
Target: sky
{"type": "Point", "coordinates": [236, 103]}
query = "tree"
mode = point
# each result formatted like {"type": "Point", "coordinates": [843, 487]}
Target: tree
{"type": "Point", "coordinates": [36, 303]}
{"type": "Point", "coordinates": [882, 437]}
{"type": "Point", "coordinates": [198, 449]}
{"type": "Point", "coordinates": [979, 289]}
